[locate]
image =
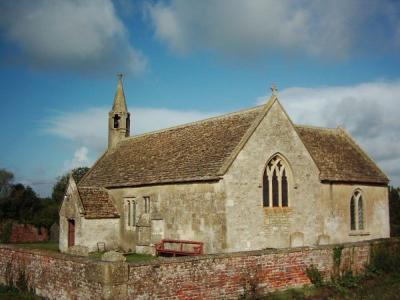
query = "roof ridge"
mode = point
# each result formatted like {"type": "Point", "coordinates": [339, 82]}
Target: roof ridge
{"type": "Point", "coordinates": [226, 115]}
{"type": "Point", "coordinates": [317, 127]}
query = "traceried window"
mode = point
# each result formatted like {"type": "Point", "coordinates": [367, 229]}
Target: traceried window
{"type": "Point", "coordinates": [130, 213]}
{"type": "Point", "coordinates": [357, 211]}
{"type": "Point", "coordinates": [275, 183]}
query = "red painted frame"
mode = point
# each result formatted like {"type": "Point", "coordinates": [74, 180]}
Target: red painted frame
{"type": "Point", "coordinates": [197, 248]}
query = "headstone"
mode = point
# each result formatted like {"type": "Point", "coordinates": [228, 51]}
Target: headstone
{"type": "Point", "coordinates": [323, 239]}
{"type": "Point", "coordinates": [79, 250]}
{"type": "Point", "coordinates": [113, 256]}
{"type": "Point", "coordinates": [297, 239]}
{"type": "Point", "coordinates": [54, 232]}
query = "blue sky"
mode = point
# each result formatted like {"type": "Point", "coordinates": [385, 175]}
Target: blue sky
{"type": "Point", "coordinates": [334, 62]}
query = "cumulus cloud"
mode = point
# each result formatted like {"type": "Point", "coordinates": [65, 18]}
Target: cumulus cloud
{"type": "Point", "coordinates": [88, 129]}
{"type": "Point", "coordinates": [248, 28]}
{"type": "Point", "coordinates": [80, 159]}
{"type": "Point", "coordinates": [83, 35]}
{"type": "Point", "coordinates": [369, 111]}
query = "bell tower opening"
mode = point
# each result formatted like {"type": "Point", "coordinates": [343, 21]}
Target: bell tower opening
{"type": "Point", "coordinates": [118, 117]}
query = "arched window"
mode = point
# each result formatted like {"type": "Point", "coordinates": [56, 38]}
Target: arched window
{"type": "Point", "coordinates": [357, 211]}
{"type": "Point", "coordinates": [275, 183]}
{"type": "Point", "coordinates": [130, 213]}
{"type": "Point", "coordinates": [116, 121]}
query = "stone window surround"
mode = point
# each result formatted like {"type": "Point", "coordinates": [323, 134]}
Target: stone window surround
{"type": "Point", "coordinates": [130, 213]}
{"type": "Point", "coordinates": [357, 198]}
{"type": "Point", "coordinates": [289, 178]}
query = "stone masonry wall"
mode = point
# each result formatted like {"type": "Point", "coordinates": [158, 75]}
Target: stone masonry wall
{"type": "Point", "coordinates": [219, 276]}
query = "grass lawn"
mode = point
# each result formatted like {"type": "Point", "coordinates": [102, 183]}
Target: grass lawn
{"type": "Point", "coordinates": [379, 287]}
{"type": "Point", "coordinates": [11, 293]}
{"type": "Point", "coordinates": [53, 246]}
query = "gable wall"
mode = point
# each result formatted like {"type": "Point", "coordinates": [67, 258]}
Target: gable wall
{"type": "Point", "coordinates": [250, 226]}
{"type": "Point", "coordinates": [193, 211]}
{"type": "Point", "coordinates": [87, 231]}
{"type": "Point", "coordinates": [336, 210]}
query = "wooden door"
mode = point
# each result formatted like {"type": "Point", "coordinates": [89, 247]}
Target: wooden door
{"type": "Point", "coordinates": [71, 233]}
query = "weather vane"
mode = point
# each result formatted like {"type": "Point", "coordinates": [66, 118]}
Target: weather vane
{"type": "Point", "coordinates": [120, 75]}
{"type": "Point", "coordinates": [274, 89]}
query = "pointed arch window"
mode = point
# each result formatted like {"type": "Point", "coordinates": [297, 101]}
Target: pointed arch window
{"type": "Point", "coordinates": [276, 184]}
{"type": "Point", "coordinates": [357, 211]}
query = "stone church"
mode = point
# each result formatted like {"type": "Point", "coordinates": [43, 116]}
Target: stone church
{"type": "Point", "coordinates": [242, 181]}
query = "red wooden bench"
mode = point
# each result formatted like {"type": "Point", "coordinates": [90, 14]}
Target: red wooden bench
{"type": "Point", "coordinates": [180, 248]}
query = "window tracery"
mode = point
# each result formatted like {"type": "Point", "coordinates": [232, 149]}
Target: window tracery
{"type": "Point", "coordinates": [275, 183]}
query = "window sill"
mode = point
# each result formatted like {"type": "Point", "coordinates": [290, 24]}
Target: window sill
{"type": "Point", "coordinates": [359, 233]}
{"type": "Point", "coordinates": [277, 209]}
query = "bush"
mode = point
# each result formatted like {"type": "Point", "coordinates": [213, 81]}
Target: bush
{"type": "Point", "coordinates": [385, 257]}
{"type": "Point", "coordinates": [314, 275]}
{"type": "Point", "coordinates": [5, 233]}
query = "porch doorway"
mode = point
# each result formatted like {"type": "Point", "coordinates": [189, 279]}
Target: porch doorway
{"type": "Point", "coordinates": [71, 233]}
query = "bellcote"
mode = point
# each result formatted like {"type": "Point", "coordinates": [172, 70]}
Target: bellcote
{"type": "Point", "coordinates": [118, 117]}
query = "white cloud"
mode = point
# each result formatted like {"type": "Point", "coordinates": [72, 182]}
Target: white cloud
{"type": "Point", "coordinates": [247, 28]}
{"type": "Point", "coordinates": [88, 129]}
{"type": "Point", "coordinates": [369, 111]}
{"type": "Point", "coordinates": [80, 159]}
{"type": "Point", "coordinates": [69, 34]}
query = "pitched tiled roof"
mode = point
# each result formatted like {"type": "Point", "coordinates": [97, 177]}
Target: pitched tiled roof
{"type": "Point", "coordinates": [191, 152]}
{"type": "Point", "coordinates": [97, 203]}
{"type": "Point", "coordinates": [204, 150]}
{"type": "Point", "coordinates": [338, 157]}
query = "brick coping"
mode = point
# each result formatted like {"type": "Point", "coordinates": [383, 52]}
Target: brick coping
{"type": "Point", "coordinates": [172, 260]}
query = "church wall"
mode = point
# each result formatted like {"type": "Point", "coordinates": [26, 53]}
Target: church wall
{"type": "Point", "coordinates": [70, 209]}
{"type": "Point", "coordinates": [87, 231]}
{"type": "Point", "coordinates": [250, 226]}
{"type": "Point", "coordinates": [93, 231]}
{"type": "Point", "coordinates": [193, 211]}
{"type": "Point", "coordinates": [336, 212]}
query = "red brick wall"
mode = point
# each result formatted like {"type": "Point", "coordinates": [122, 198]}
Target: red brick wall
{"type": "Point", "coordinates": [222, 276]}
{"type": "Point", "coordinates": [51, 275]}
{"type": "Point", "coordinates": [27, 233]}
{"type": "Point", "coordinates": [232, 276]}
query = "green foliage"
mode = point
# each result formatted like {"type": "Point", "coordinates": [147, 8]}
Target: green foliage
{"type": "Point", "coordinates": [22, 282]}
{"type": "Point", "coordinates": [21, 204]}
{"type": "Point", "coordinates": [337, 256]}
{"type": "Point", "coordinates": [24, 206]}
{"type": "Point", "coordinates": [62, 182]}
{"type": "Point", "coordinates": [385, 257]}
{"type": "Point", "coordinates": [18, 288]}
{"type": "Point", "coordinates": [346, 280]}
{"type": "Point", "coordinates": [52, 246]}
{"type": "Point", "coordinates": [6, 178]}
{"type": "Point", "coordinates": [6, 232]}
{"type": "Point", "coordinates": [394, 210]}
{"type": "Point", "coordinates": [12, 293]}
{"type": "Point", "coordinates": [315, 276]}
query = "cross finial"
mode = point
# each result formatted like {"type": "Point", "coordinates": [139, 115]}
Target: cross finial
{"type": "Point", "coordinates": [274, 89]}
{"type": "Point", "coordinates": [119, 76]}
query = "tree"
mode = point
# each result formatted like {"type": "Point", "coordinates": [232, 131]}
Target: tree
{"type": "Point", "coordinates": [6, 179]}
{"type": "Point", "coordinates": [394, 209]}
{"type": "Point", "coordinates": [62, 182]}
